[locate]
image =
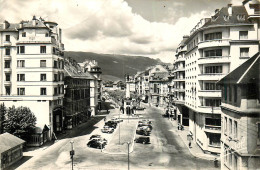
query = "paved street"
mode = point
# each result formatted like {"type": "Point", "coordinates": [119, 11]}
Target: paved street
{"type": "Point", "coordinates": [166, 151]}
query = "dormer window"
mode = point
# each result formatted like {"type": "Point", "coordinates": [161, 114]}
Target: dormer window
{"type": "Point", "coordinates": [241, 17]}
{"type": "Point", "coordinates": [46, 34]}
{"type": "Point", "coordinates": [214, 18]}
{"type": "Point", "coordinates": [226, 17]}
{"type": "Point", "coordinates": [24, 34]}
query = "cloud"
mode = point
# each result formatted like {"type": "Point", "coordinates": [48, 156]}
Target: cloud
{"type": "Point", "coordinates": [114, 26]}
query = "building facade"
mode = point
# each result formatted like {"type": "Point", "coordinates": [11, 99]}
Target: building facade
{"type": "Point", "coordinates": [240, 104]}
{"type": "Point", "coordinates": [32, 70]}
{"type": "Point", "coordinates": [215, 46]}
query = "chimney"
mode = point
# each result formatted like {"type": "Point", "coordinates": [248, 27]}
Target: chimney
{"type": "Point", "coordinates": [216, 11]}
{"type": "Point", "coordinates": [230, 9]}
{"type": "Point", "coordinates": [6, 24]}
{"type": "Point", "coordinates": [34, 20]}
{"type": "Point", "coordinates": [21, 24]}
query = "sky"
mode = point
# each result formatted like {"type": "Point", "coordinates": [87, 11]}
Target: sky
{"type": "Point", "coordinates": [152, 28]}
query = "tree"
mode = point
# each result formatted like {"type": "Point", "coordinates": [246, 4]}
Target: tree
{"type": "Point", "coordinates": [2, 117]}
{"type": "Point", "coordinates": [20, 121]}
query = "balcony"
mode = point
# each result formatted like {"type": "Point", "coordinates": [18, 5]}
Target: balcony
{"type": "Point", "coordinates": [179, 59]}
{"type": "Point", "coordinates": [210, 76]}
{"type": "Point", "coordinates": [212, 129]}
{"type": "Point", "coordinates": [7, 43]}
{"type": "Point", "coordinates": [209, 93]}
{"type": "Point", "coordinates": [214, 43]}
{"type": "Point", "coordinates": [36, 40]}
{"type": "Point", "coordinates": [7, 83]}
{"type": "Point", "coordinates": [215, 59]}
{"type": "Point", "coordinates": [179, 69]}
{"type": "Point", "coordinates": [209, 109]}
{"type": "Point", "coordinates": [180, 89]}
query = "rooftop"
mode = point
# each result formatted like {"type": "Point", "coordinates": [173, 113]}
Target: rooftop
{"type": "Point", "coordinates": [8, 141]}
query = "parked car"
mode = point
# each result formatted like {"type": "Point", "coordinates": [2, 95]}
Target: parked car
{"type": "Point", "coordinates": [143, 140]}
{"type": "Point", "coordinates": [117, 120]}
{"type": "Point", "coordinates": [111, 124]}
{"type": "Point", "coordinates": [100, 139]}
{"type": "Point", "coordinates": [107, 129]}
{"type": "Point", "coordinates": [145, 121]}
{"type": "Point", "coordinates": [142, 131]}
{"type": "Point", "coordinates": [95, 136]}
{"type": "Point", "coordinates": [147, 128]}
{"type": "Point", "coordinates": [96, 144]}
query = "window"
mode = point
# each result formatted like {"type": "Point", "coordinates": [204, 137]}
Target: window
{"type": "Point", "coordinates": [20, 63]}
{"type": "Point", "coordinates": [7, 51]}
{"type": "Point", "coordinates": [20, 77]}
{"type": "Point", "coordinates": [235, 129]}
{"type": "Point", "coordinates": [43, 77]}
{"type": "Point", "coordinates": [214, 139]}
{"type": "Point", "coordinates": [213, 102]}
{"type": "Point", "coordinates": [20, 91]}
{"type": "Point", "coordinates": [43, 49]}
{"type": "Point", "coordinates": [7, 64]}
{"type": "Point", "coordinates": [243, 35]}
{"type": "Point", "coordinates": [230, 127]}
{"type": "Point", "coordinates": [55, 77]}
{"type": "Point", "coordinates": [43, 91]}
{"type": "Point", "coordinates": [46, 34]}
{"type": "Point", "coordinates": [55, 91]}
{"type": "Point", "coordinates": [235, 93]}
{"type": "Point", "coordinates": [55, 64]}
{"type": "Point", "coordinates": [7, 37]}
{"type": "Point", "coordinates": [7, 76]}
{"type": "Point", "coordinates": [212, 86]}
{"type": "Point", "coordinates": [42, 63]}
{"type": "Point", "coordinates": [22, 49]}
{"type": "Point", "coordinates": [7, 90]}
{"type": "Point", "coordinates": [213, 121]}
{"type": "Point", "coordinates": [244, 52]}
{"type": "Point", "coordinates": [213, 36]}
{"type": "Point", "coordinates": [213, 69]}
{"type": "Point", "coordinates": [213, 53]}
{"type": "Point", "coordinates": [24, 34]}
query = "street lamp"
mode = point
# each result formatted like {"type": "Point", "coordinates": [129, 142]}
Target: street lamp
{"type": "Point", "coordinates": [128, 143]}
{"type": "Point", "coordinates": [72, 152]}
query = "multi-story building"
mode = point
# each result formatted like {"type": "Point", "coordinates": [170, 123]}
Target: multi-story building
{"type": "Point", "coordinates": [158, 81]}
{"type": "Point", "coordinates": [77, 94]}
{"type": "Point", "coordinates": [215, 47]}
{"type": "Point", "coordinates": [95, 84]}
{"type": "Point", "coordinates": [31, 70]}
{"type": "Point", "coordinates": [178, 81]}
{"type": "Point", "coordinates": [240, 104]}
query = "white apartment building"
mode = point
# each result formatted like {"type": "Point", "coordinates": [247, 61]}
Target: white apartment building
{"type": "Point", "coordinates": [181, 111]}
{"type": "Point", "coordinates": [216, 46]}
{"type": "Point", "coordinates": [32, 70]}
{"type": "Point", "coordinates": [240, 133]}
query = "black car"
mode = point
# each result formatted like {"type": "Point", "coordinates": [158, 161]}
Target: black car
{"type": "Point", "coordinates": [111, 124]}
{"type": "Point", "coordinates": [143, 140]}
{"type": "Point", "coordinates": [144, 124]}
{"type": "Point", "coordinates": [96, 144]}
{"type": "Point", "coordinates": [142, 131]}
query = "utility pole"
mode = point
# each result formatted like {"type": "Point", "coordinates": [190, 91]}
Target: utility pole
{"type": "Point", "coordinates": [72, 154]}
{"type": "Point", "coordinates": [128, 143]}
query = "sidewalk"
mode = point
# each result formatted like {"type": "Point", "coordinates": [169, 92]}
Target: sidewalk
{"type": "Point", "coordinates": [195, 150]}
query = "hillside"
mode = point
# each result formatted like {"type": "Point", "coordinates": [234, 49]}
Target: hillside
{"type": "Point", "coordinates": [114, 67]}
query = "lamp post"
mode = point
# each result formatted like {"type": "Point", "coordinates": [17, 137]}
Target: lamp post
{"type": "Point", "coordinates": [128, 143]}
{"type": "Point", "coordinates": [72, 154]}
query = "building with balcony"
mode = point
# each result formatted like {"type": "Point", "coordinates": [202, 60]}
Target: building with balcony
{"type": "Point", "coordinates": [77, 94]}
{"type": "Point", "coordinates": [181, 112]}
{"type": "Point", "coordinates": [215, 46]}
{"type": "Point", "coordinates": [32, 70]}
{"type": "Point", "coordinates": [240, 104]}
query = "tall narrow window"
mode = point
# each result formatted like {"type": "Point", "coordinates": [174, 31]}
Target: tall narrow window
{"type": "Point", "coordinates": [235, 93]}
{"type": "Point", "coordinates": [7, 77]}
{"type": "Point", "coordinates": [7, 64]}
{"type": "Point", "coordinates": [235, 129]}
{"type": "Point", "coordinates": [43, 49]}
{"type": "Point", "coordinates": [43, 91]}
{"type": "Point", "coordinates": [243, 35]}
{"type": "Point", "coordinates": [20, 91]}
{"type": "Point", "coordinates": [7, 51]}
{"type": "Point", "coordinates": [22, 49]}
{"type": "Point", "coordinates": [230, 93]}
{"type": "Point", "coordinates": [42, 63]}
{"type": "Point", "coordinates": [7, 37]}
{"type": "Point", "coordinates": [244, 52]}
{"type": "Point", "coordinates": [43, 77]}
{"type": "Point", "coordinates": [230, 126]}
{"type": "Point", "coordinates": [20, 77]}
{"type": "Point", "coordinates": [7, 90]}
{"type": "Point", "coordinates": [20, 63]}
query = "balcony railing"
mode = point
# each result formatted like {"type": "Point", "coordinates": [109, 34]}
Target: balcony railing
{"type": "Point", "coordinates": [215, 59]}
{"type": "Point", "coordinates": [36, 40]}
{"type": "Point", "coordinates": [209, 109]}
{"type": "Point", "coordinates": [214, 43]}
{"type": "Point", "coordinates": [209, 93]}
{"type": "Point", "coordinates": [213, 128]}
{"type": "Point", "coordinates": [7, 43]}
{"type": "Point", "coordinates": [210, 76]}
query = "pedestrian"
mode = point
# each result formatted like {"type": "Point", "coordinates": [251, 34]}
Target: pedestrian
{"type": "Point", "coordinates": [216, 162]}
{"type": "Point", "coordinates": [178, 126]}
{"type": "Point", "coordinates": [189, 144]}
{"type": "Point", "coordinates": [105, 119]}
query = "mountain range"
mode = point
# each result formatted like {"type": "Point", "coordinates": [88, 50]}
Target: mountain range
{"type": "Point", "coordinates": [115, 66]}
